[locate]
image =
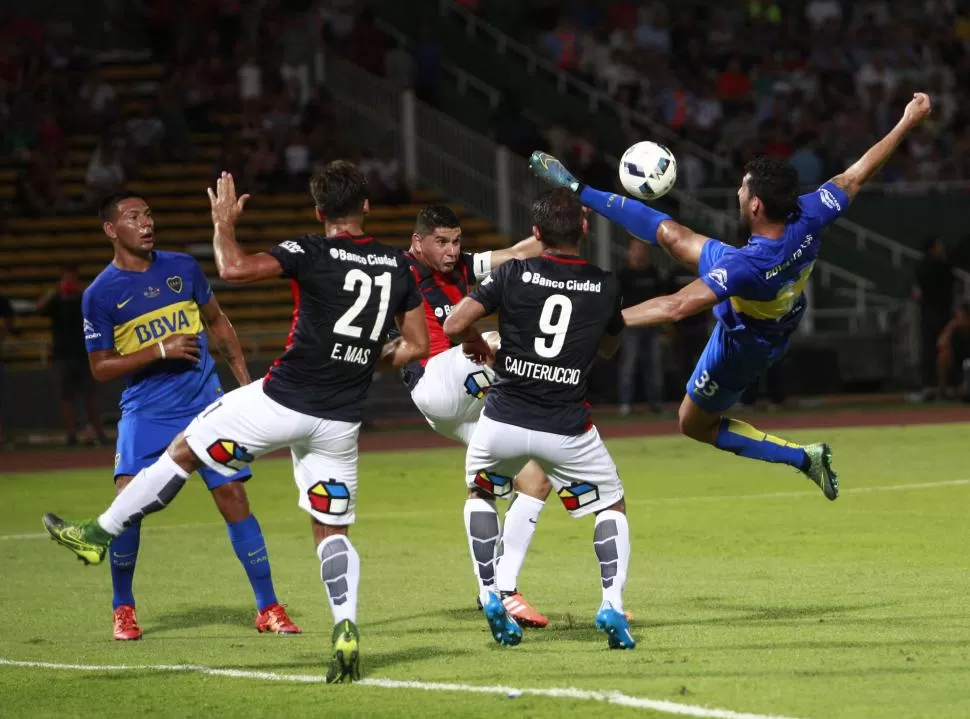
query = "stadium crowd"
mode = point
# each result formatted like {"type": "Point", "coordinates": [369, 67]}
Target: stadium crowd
{"type": "Point", "coordinates": [816, 82]}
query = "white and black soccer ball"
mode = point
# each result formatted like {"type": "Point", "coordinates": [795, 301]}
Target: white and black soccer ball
{"type": "Point", "coordinates": [648, 170]}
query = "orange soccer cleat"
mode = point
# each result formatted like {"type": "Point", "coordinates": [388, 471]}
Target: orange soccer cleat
{"type": "Point", "coordinates": [275, 619]}
{"type": "Point", "coordinates": [126, 624]}
{"type": "Point", "coordinates": [522, 612]}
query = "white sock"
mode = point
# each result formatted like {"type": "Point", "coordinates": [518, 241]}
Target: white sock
{"type": "Point", "coordinates": [483, 532]}
{"type": "Point", "coordinates": [150, 491]}
{"type": "Point", "coordinates": [340, 573]}
{"type": "Point", "coordinates": [519, 526]}
{"type": "Point", "coordinates": [611, 541]}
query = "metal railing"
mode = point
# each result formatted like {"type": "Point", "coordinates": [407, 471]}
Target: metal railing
{"type": "Point", "coordinates": [596, 98]}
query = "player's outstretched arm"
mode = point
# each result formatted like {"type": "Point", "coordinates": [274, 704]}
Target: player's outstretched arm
{"type": "Point", "coordinates": [226, 340]}
{"type": "Point", "coordinates": [639, 219]}
{"type": "Point", "coordinates": [851, 181]}
{"type": "Point", "coordinates": [414, 342]}
{"type": "Point", "coordinates": [232, 262]}
{"type": "Point", "coordinates": [695, 297]}
{"type": "Point", "coordinates": [460, 328]}
{"type": "Point", "coordinates": [522, 250]}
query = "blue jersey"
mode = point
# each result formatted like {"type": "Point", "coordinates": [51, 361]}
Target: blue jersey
{"type": "Point", "coordinates": [128, 311]}
{"type": "Point", "coordinates": [760, 287]}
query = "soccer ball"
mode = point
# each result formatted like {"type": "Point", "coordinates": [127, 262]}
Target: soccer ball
{"type": "Point", "coordinates": [648, 170]}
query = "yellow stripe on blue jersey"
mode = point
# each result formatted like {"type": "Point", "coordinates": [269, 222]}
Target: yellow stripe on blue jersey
{"type": "Point", "coordinates": [152, 327]}
{"type": "Point", "coordinates": [778, 307]}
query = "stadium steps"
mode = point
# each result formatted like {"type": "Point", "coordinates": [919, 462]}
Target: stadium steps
{"type": "Point", "coordinates": [33, 251]}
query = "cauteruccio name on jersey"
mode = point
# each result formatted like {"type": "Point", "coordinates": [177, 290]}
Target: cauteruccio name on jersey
{"type": "Point", "coordinates": [535, 370]}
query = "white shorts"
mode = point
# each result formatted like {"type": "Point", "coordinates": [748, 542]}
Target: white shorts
{"type": "Point", "coordinates": [451, 393]}
{"type": "Point", "coordinates": [246, 424]}
{"type": "Point", "coordinates": [579, 467]}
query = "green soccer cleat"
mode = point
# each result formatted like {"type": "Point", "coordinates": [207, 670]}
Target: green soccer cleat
{"type": "Point", "coordinates": [85, 538]}
{"type": "Point", "coordinates": [820, 470]}
{"type": "Point", "coordinates": [345, 662]}
{"type": "Point", "coordinates": [548, 168]}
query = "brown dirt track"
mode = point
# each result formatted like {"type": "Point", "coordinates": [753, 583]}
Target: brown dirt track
{"type": "Point", "coordinates": [45, 460]}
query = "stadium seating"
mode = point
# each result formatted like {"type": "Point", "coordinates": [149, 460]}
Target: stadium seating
{"type": "Point", "coordinates": [33, 251]}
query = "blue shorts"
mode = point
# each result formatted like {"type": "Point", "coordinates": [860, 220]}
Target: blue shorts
{"type": "Point", "coordinates": [142, 440]}
{"type": "Point", "coordinates": [731, 361]}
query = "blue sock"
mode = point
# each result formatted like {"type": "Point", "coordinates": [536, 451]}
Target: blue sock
{"type": "Point", "coordinates": [247, 540]}
{"type": "Point", "coordinates": [634, 216]}
{"type": "Point", "coordinates": [124, 553]}
{"type": "Point", "coordinates": [744, 440]}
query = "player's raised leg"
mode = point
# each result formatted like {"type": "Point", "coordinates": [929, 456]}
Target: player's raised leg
{"type": "Point", "coordinates": [722, 373]}
{"type": "Point", "coordinates": [532, 488]}
{"type": "Point", "coordinates": [638, 218]}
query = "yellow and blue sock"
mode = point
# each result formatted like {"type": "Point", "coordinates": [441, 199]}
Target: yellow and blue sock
{"type": "Point", "coordinates": [249, 545]}
{"type": "Point", "coordinates": [123, 552]}
{"type": "Point", "coordinates": [742, 439]}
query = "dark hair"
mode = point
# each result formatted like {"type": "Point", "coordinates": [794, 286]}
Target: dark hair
{"type": "Point", "coordinates": [559, 216]}
{"type": "Point", "coordinates": [434, 216]}
{"type": "Point", "coordinates": [109, 205]}
{"type": "Point", "coordinates": [775, 182]}
{"type": "Point", "coordinates": [339, 190]}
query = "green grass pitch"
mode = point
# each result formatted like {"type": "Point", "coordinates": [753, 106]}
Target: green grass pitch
{"type": "Point", "coordinates": [750, 592]}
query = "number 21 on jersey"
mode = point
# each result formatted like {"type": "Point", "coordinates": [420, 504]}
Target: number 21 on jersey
{"type": "Point", "coordinates": [554, 322]}
{"type": "Point", "coordinates": [360, 282]}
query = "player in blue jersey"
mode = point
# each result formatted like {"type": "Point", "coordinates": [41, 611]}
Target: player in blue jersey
{"type": "Point", "coordinates": [756, 291]}
{"type": "Point", "coordinates": [148, 316]}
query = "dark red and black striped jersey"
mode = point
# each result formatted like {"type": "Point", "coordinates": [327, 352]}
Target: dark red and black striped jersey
{"type": "Point", "coordinates": [347, 291]}
{"type": "Point", "coordinates": [441, 291]}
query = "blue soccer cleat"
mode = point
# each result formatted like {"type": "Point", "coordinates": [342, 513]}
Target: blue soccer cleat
{"type": "Point", "coordinates": [505, 630]}
{"type": "Point", "coordinates": [548, 168]}
{"type": "Point", "coordinates": [615, 625]}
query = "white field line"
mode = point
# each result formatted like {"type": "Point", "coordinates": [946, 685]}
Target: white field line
{"type": "Point", "coordinates": [670, 500]}
{"type": "Point", "coordinates": [617, 698]}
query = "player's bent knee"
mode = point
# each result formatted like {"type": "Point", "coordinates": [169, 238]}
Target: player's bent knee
{"type": "Point", "coordinates": [122, 481]}
{"type": "Point", "coordinates": [323, 531]}
{"type": "Point", "coordinates": [695, 422]}
{"type": "Point", "coordinates": [619, 506]}
{"type": "Point", "coordinates": [182, 454]}
{"type": "Point", "coordinates": [232, 501]}
{"type": "Point", "coordinates": [478, 493]}
{"type": "Point", "coordinates": [532, 481]}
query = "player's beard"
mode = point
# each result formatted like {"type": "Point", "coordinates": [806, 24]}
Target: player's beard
{"type": "Point", "coordinates": [744, 229]}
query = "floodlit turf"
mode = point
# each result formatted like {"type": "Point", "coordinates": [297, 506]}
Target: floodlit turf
{"type": "Point", "coordinates": [750, 592]}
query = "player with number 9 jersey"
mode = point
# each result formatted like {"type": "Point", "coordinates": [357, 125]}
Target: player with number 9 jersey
{"type": "Point", "coordinates": [556, 313]}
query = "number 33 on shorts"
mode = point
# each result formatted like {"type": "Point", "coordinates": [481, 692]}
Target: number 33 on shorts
{"type": "Point", "coordinates": [705, 386]}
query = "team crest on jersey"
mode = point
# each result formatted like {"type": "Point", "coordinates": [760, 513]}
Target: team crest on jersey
{"type": "Point", "coordinates": [494, 484]}
{"type": "Point", "coordinates": [152, 292]}
{"type": "Point", "coordinates": [117, 460]}
{"type": "Point", "coordinates": [174, 284]}
{"type": "Point", "coordinates": [578, 495]}
{"type": "Point", "coordinates": [329, 497]}
{"type": "Point", "coordinates": [478, 383]}
{"type": "Point", "coordinates": [229, 453]}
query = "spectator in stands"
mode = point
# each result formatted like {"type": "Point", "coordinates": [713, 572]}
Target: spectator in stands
{"type": "Point", "coordinates": [300, 42]}
{"type": "Point", "coordinates": [145, 132]}
{"type": "Point", "coordinates": [511, 128]}
{"type": "Point", "coordinates": [106, 173]}
{"type": "Point", "coordinates": [385, 177]}
{"type": "Point", "coordinates": [368, 43]}
{"type": "Point", "coordinates": [177, 139]}
{"type": "Point", "coordinates": [63, 305]}
{"type": "Point", "coordinates": [427, 66]}
{"type": "Point", "coordinates": [98, 107]}
{"type": "Point", "coordinates": [38, 190]}
{"type": "Point", "coordinates": [399, 66]}
{"type": "Point", "coordinates": [296, 160]}
{"type": "Point", "coordinates": [262, 165]}
{"type": "Point", "coordinates": [562, 44]}
{"type": "Point", "coordinates": [7, 329]}
{"type": "Point", "coordinates": [934, 293]}
{"type": "Point", "coordinates": [953, 356]}
{"type": "Point", "coordinates": [249, 79]}
{"type": "Point", "coordinates": [640, 353]}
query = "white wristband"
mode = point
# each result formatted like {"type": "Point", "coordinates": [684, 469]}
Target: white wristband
{"type": "Point", "coordinates": [161, 348]}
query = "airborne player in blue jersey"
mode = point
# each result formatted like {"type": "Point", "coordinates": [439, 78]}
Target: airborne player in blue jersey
{"type": "Point", "coordinates": [145, 319]}
{"type": "Point", "coordinates": [756, 291]}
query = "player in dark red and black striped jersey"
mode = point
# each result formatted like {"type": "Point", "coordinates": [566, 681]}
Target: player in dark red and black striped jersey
{"type": "Point", "coordinates": [449, 390]}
